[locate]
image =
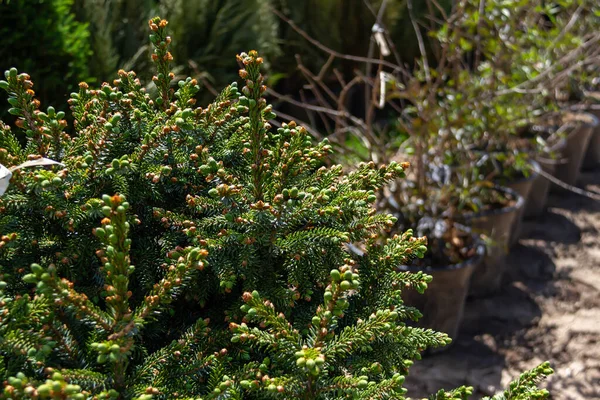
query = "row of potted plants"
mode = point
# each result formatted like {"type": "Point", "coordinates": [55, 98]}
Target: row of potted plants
{"type": "Point", "coordinates": [518, 139]}
{"type": "Point", "coordinates": [527, 196]}
{"type": "Point", "coordinates": [492, 110]}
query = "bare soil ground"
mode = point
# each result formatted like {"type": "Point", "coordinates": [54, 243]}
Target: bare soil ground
{"type": "Point", "coordinates": [548, 310]}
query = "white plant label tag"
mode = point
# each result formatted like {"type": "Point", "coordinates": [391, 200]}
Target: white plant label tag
{"type": "Point", "coordinates": [35, 163]}
{"type": "Point", "coordinates": [6, 174]}
{"type": "Point", "coordinates": [384, 77]}
{"type": "Point", "coordinates": [380, 39]}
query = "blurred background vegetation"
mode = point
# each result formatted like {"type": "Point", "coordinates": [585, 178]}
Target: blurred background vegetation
{"type": "Point", "coordinates": [46, 39]}
{"type": "Point", "coordinates": [62, 42]}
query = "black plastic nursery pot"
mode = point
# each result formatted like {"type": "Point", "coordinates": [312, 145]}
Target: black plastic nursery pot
{"type": "Point", "coordinates": [523, 187]}
{"type": "Point", "coordinates": [575, 149]}
{"type": "Point", "coordinates": [538, 195]}
{"type": "Point", "coordinates": [443, 303]}
{"type": "Point", "coordinates": [497, 225]}
{"type": "Point", "coordinates": [592, 156]}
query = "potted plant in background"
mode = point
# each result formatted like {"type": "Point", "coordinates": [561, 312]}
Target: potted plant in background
{"type": "Point", "coordinates": [576, 89]}
{"type": "Point", "coordinates": [462, 110]}
{"type": "Point", "coordinates": [592, 156]}
{"type": "Point", "coordinates": [433, 130]}
{"type": "Point", "coordinates": [386, 92]}
{"type": "Point", "coordinates": [544, 56]}
{"type": "Point", "coordinates": [520, 52]}
{"type": "Point", "coordinates": [591, 103]}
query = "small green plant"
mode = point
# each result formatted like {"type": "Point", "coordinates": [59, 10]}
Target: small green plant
{"type": "Point", "coordinates": [220, 264]}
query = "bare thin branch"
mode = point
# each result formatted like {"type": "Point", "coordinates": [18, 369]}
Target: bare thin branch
{"type": "Point", "coordinates": [325, 110]}
{"type": "Point", "coordinates": [322, 47]}
{"type": "Point", "coordinates": [566, 29]}
{"type": "Point", "coordinates": [419, 40]}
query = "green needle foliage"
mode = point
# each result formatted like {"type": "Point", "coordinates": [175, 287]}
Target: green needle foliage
{"type": "Point", "coordinates": [188, 253]}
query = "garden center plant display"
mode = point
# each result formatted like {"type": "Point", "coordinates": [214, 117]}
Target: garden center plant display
{"type": "Point", "coordinates": [547, 46]}
{"type": "Point", "coordinates": [477, 117]}
{"type": "Point", "coordinates": [182, 252]}
{"type": "Point", "coordinates": [438, 107]}
{"type": "Point", "coordinates": [423, 201]}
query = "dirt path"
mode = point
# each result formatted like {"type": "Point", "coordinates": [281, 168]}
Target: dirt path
{"type": "Point", "coordinates": [549, 311]}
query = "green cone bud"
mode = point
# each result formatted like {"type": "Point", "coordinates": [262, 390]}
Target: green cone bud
{"type": "Point", "coordinates": [335, 275]}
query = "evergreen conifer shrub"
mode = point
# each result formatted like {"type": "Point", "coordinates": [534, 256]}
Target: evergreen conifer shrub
{"type": "Point", "coordinates": [178, 252]}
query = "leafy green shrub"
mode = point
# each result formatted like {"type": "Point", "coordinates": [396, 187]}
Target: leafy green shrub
{"type": "Point", "coordinates": [222, 268]}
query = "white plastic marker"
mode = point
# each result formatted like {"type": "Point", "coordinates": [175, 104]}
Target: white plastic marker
{"type": "Point", "coordinates": [6, 174]}
{"type": "Point", "coordinates": [380, 39]}
{"type": "Point", "coordinates": [384, 78]}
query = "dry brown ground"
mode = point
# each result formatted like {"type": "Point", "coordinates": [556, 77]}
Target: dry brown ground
{"type": "Point", "coordinates": [550, 310]}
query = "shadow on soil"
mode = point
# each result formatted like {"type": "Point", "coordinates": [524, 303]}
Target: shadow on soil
{"type": "Point", "coordinates": [552, 227]}
{"type": "Point", "coordinates": [588, 180]}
